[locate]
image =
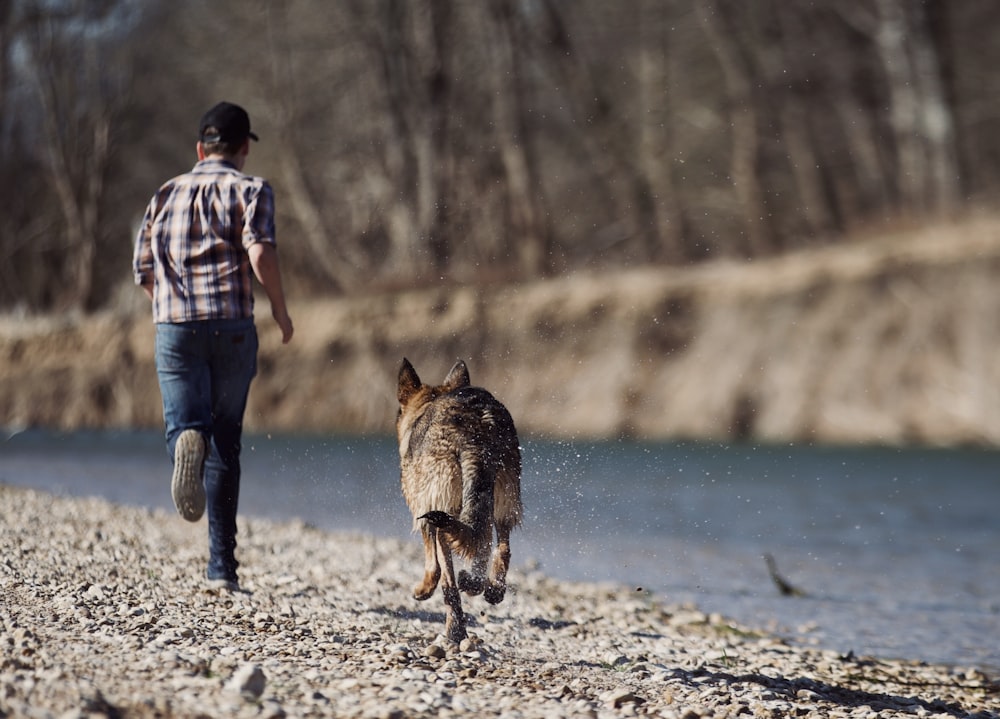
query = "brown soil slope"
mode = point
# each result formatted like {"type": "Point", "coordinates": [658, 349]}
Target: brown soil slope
{"type": "Point", "coordinates": [890, 341]}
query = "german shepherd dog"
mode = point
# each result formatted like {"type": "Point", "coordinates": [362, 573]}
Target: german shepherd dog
{"type": "Point", "coordinates": [460, 465]}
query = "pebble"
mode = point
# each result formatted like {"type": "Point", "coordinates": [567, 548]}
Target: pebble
{"type": "Point", "coordinates": [248, 681]}
{"type": "Point", "coordinates": [435, 651]}
{"type": "Point", "coordinates": [103, 613]}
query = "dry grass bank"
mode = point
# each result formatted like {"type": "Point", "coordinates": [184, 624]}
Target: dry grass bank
{"type": "Point", "coordinates": [890, 340]}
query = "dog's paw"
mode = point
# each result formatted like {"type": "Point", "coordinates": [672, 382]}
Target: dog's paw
{"type": "Point", "coordinates": [494, 593]}
{"type": "Point", "coordinates": [470, 583]}
{"type": "Point", "coordinates": [437, 518]}
{"type": "Point", "coordinates": [424, 591]}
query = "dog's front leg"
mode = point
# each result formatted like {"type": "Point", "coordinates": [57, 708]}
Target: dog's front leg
{"type": "Point", "coordinates": [455, 622]}
{"type": "Point", "coordinates": [432, 570]}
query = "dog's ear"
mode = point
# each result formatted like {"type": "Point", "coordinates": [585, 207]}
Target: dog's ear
{"type": "Point", "coordinates": [457, 377]}
{"type": "Point", "coordinates": [409, 382]}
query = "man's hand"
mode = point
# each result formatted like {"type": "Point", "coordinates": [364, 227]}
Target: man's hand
{"type": "Point", "coordinates": [285, 323]}
{"type": "Point", "coordinates": [264, 261]}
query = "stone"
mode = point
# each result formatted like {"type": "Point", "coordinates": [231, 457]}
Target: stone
{"type": "Point", "coordinates": [348, 639]}
{"type": "Point", "coordinates": [435, 651]}
{"type": "Point", "coordinates": [618, 697]}
{"type": "Point", "coordinates": [248, 681]}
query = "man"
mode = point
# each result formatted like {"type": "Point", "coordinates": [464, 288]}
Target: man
{"type": "Point", "coordinates": [203, 237]}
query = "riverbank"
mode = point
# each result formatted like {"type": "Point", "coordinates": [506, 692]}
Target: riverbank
{"type": "Point", "coordinates": [103, 614]}
{"type": "Point", "coordinates": [887, 340]}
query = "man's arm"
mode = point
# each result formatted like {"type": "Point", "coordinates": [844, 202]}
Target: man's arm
{"type": "Point", "coordinates": [142, 255]}
{"type": "Point", "coordinates": [264, 261]}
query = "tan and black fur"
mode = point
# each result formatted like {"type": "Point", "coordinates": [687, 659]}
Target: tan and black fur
{"type": "Point", "coordinates": [460, 464]}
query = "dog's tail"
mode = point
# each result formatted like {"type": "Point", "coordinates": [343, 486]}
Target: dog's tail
{"type": "Point", "coordinates": [478, 483]}
{"type": "Point", "coordinates": [471, 533]}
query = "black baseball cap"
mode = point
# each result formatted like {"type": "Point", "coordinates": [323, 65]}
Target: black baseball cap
{"type": "Point", "coordinates": [231, 122]}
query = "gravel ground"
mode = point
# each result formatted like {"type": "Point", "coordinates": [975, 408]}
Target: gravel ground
{"type": "Point", "coordinates": [103, 613]}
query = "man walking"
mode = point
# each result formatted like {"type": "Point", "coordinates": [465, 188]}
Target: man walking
{"type": "Point", "coordinates": [204, 236]}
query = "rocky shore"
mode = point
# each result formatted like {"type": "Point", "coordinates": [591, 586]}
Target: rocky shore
{"type": "Point", "coordinates": [103, 614]}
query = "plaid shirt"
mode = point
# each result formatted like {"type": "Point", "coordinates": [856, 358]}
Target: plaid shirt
{"type": "Point", "coordinates": [193, 243]}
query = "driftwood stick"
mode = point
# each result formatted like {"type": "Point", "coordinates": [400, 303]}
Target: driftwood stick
{"type": "Point", "coordinates": [786, 589]}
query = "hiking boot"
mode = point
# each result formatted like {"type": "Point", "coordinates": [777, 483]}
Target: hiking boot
{"type": "Point", "coordinates": [188, 486]}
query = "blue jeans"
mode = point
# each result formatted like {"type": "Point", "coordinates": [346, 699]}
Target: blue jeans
{"type": "Point", "coordinates": [205, 369]}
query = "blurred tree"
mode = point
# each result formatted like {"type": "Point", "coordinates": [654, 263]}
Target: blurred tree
{"type": "Point", "coordinates": [69, 92]}
{"type": "Point", "coordinates": [425, 141]}
{"type": "Point", "coordinates": [80, 89]}
{"type": "Point", "coordinates": [742, 64]}
{"type": "Point", "coordinates": [527, 233]}
{"type": "Point", "coordinates": [924, 170]}
{"type": "Point", "coordinates": [287, 101]}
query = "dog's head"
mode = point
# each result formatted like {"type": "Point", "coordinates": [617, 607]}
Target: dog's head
{"type": "Point", "coordinates": [410, 385]}
{"type": "Point", "coordinates": [414, 395]}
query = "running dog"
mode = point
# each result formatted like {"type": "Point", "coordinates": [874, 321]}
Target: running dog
{"type": "Point", "coordinates": [460, 465]}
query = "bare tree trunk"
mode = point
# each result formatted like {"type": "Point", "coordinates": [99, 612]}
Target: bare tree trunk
{"type": "Point", "coordinates": [7, 33]}
{"type": "Point", "coordinates": [9, 275]}
{"type": "Point", "coordinates": [526, 232]}
{"type": "Point", "coordinates": [654, 147]}
{"type": "Point", "coordinates": [904, 103]}
{"type": "Point", "coordinates": [609, 144]}
{"type": "Point", "coordinates": [804, 163]}
{"type": "Point", "coordinates": [743, 123]}
{"type": "Point", "coordinates": [405, 153]}
{"type": "Point", "coordinates": [77, 171]}
{"type": "Point", "coordinates": [815, 205]}
{"type": "Point", "coordinates": [333, 259]}
{"type": "Point", "coordinates": [438, 88]}
{"type": "Point", "coordinates": [926, 164]}
{"type": "Point", "coordinates": [936, 123]}
{"type": "Point", "coordinates": [342, 274]}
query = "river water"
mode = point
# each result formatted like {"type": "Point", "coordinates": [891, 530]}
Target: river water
{"type": "Point", "coordinates": [897, 550]}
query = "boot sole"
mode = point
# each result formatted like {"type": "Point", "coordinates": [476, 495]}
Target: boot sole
{"type": "Point", "coordinates": [187, 486]}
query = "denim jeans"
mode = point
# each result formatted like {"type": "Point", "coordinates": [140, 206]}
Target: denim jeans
{"type": "Point", "coordinates": [205, 369]}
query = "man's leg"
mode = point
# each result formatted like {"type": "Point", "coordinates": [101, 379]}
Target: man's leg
{"type": "Point", "coordinates": [234, 364]}
{"type": "Point", "coordinates": [183, 374]}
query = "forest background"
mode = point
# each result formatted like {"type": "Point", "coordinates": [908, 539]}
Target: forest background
{"type": "Point", "coordinates": [768, 220]}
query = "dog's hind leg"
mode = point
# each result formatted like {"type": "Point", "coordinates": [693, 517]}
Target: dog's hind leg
{"type": "Point", "coordinates": [474, 582]}
{"type": "Point", "coordinates": [454, 530]}
{"type": "Point", "coordinates": [496, 582]}
{"type": "Point", "coordinates": [432, 570]}
{"type": "Point", "coordinates": [455, 621]}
